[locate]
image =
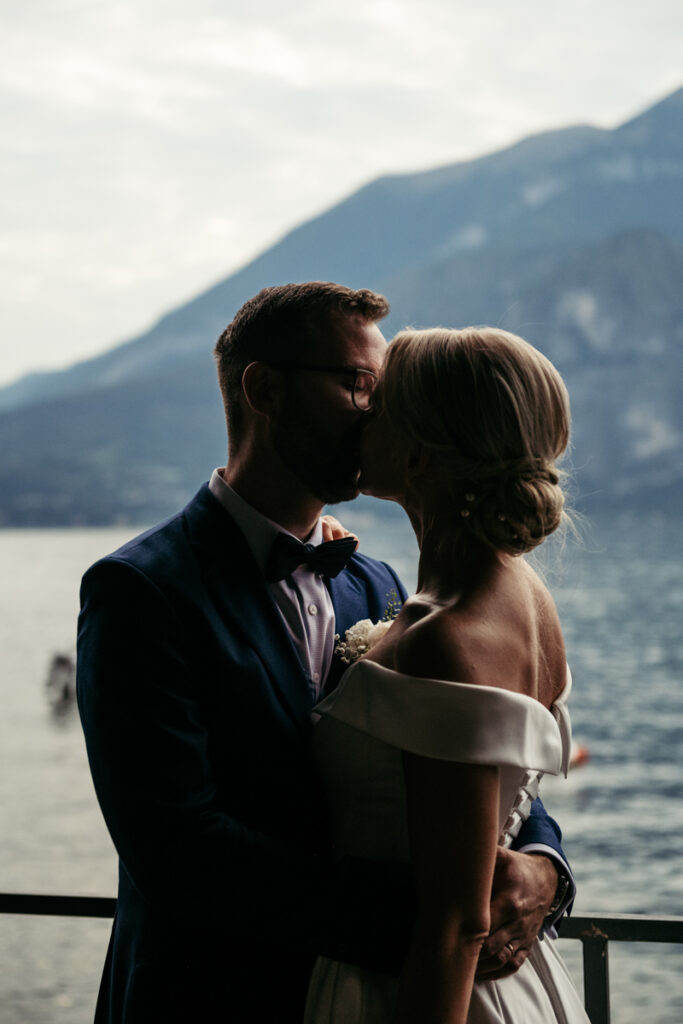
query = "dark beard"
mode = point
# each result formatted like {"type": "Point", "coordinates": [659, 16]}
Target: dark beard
{"type": "Point", "coordinates": [329, 472]}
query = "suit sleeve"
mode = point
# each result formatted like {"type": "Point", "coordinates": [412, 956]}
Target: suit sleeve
{"type": "Point", "coordinates": [540, 834]}
{"type": "Point", "coordinates": [540, 829]}
{"type": "Point", "coordinates": [147, 742]}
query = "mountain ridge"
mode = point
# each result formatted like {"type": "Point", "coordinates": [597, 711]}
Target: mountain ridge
{"type": "Point", "coordinates": [555, 144]}
{"type": "Point", "coordinates": [573, 237]}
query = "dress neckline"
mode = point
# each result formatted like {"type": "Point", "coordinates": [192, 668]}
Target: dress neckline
{"type": "Point", "coordinates": [561, 698]}
{"type": "Point", "coordinates": [449, 720]}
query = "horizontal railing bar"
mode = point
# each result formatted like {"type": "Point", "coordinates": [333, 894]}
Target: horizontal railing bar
{"type": "Point", "coordinates": [61, 906]}
{"type": "Point", "coordinates": [623, 928]}
{"type": "Point", "coordinates": [594, 930]}
{"type": "Point", "coordinates": [614, 927]}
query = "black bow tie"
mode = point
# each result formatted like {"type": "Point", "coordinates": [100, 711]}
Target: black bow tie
{"type": "Point", "coordinates": [288, 553]}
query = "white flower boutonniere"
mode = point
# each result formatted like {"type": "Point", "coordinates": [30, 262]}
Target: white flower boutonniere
{"type": "Point", "coordinates": [360, 638]}
{"type": "Point", "coordinates": [363, 635]}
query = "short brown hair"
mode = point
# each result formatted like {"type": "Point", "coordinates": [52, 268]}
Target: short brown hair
{"type": "Point", "coordinates": [280, 322]}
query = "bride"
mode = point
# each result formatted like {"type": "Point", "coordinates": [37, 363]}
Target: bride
{"type": "Point", "coordinates": [432, 748]}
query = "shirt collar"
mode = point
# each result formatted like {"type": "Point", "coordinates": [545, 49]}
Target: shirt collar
{"type": "Point", "coordinates": [259, 531]}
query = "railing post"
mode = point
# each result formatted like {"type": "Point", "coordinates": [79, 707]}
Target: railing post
{"type": "Point", "coordinates": [596, 975]}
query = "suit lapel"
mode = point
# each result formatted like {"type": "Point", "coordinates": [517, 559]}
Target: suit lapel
{"type": "Point", "coordinates": [239, 591]}
{"type": "Point", "coordinates": [349, 599]}
{"type": "Point", "coordinates": [350, 603]}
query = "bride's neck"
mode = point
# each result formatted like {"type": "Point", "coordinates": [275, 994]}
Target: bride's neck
{"type": "Point", "coordinates": [452, 562]}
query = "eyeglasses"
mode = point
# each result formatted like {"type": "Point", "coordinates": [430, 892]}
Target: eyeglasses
{"type": "Point", "coordinates": [364, 381]}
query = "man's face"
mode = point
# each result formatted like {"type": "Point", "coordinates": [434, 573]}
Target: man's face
{"type": "Point", "coordinates": [317, 432]}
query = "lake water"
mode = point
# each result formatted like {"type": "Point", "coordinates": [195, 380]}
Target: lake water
{"type": "Point", "coordinates": [620, 595]}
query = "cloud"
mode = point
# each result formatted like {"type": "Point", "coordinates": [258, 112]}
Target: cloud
{"type": "Point", "coordinates": [149, 148]}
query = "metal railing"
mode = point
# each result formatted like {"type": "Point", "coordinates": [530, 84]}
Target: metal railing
{"type": "Point", "coordinates": [595, 931]}
{"type": "Point", "coordinates": [57, 906]}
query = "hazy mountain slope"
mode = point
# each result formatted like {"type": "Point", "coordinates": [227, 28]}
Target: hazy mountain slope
{"type": "Point", "coordinates": [135, 451]}
{"type": "Point", "coordinates": [128, 453]}
{"type": "Point", "coordinates": [554, 191]}
{"type": "Point", "coordinates": [573, 238]}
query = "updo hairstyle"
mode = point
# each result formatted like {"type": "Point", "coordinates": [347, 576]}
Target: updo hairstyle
{"type": "Point", "coordinates": [497, 412]}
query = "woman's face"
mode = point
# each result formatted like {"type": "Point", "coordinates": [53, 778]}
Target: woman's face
{"type": "Point", "coordinates": [383, 460]}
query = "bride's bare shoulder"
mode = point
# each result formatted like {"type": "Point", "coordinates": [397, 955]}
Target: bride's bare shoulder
{"type": "Point", "coordinates": [440, 644]}
{"type": "Point", "coordinates": [509, 636]}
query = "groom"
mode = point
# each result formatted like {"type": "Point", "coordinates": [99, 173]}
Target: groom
{"type": "Point", "coordinates": [203, 646]}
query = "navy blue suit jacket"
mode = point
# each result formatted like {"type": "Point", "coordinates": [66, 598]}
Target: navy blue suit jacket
{"type": "Point", "coordinates": [196, 713]}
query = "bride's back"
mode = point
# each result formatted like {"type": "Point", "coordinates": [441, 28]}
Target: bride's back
{"type": "Point", "coordinates": [502, 632]}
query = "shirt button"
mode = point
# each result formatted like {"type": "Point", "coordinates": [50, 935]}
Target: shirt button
{"type": "Point", "coordinates": [313, 609]}
{"type": "Point", "coordinates": [316, 677]}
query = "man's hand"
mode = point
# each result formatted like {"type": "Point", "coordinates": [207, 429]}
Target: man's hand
{"type": "Point", "coordinates": [524, 886]}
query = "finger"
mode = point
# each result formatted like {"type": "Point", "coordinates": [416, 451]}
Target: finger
{"type": "Point", "coordinates": [495, 960]}
{"type": "Point", "coordinates": [500, 947]}
{"type": "Point", "coordinates": [497, 941]}
{"type": "Point", "coordinates": [330, 525]}
{"type": "Point", "coordinates": [333, 529]}
{"type": "Point", "coordinates": [521, 930]}
{"type": "Point", "coordinates": [507, 962]}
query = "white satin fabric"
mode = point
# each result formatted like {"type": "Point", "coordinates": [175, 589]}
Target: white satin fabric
{"type": "Point", "coordinates": [374, 715]}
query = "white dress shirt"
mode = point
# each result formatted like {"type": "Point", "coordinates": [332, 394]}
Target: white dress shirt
{"type": "Point", "coordinates": [302, 599]}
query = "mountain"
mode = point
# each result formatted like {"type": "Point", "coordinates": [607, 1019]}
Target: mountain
{"type": "Point", "coordinates": [573, 238]}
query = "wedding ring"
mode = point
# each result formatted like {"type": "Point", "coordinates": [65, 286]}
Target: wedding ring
{"type": "Point", "coordinates": [508, 945]}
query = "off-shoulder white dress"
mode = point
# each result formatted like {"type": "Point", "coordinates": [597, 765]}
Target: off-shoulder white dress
{"type": "Point", "coordinates": [372, 716]}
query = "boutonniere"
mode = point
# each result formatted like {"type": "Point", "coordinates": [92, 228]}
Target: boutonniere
{"type": "Point", "coordinates": [363, 635]}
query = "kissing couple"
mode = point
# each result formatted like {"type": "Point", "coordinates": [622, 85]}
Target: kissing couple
{"type": "Point", "coordinates": [384, 858]}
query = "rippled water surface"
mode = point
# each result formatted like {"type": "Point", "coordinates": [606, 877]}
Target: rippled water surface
{"type": "Point", "coordinates": [620, 595]}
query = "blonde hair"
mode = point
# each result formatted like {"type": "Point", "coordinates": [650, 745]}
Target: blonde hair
{"type": "Point", "coordinates": [497, 412]}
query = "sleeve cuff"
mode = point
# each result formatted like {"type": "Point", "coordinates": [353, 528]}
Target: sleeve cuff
{"type": "Point", "coordinates": [560, 863]}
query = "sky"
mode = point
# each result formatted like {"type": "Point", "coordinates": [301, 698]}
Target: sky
{"type": "Point", "coordinates": [151, 148]}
